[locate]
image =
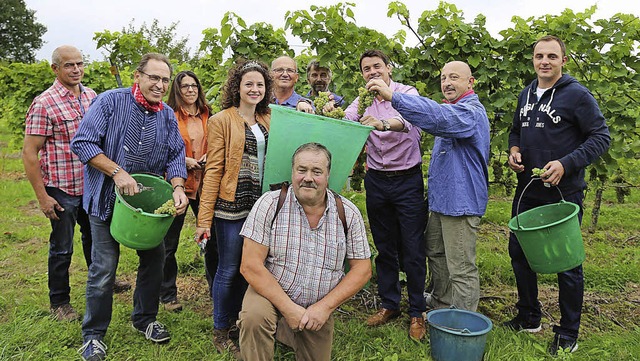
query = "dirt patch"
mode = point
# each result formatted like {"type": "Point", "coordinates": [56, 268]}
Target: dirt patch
{"type": "Point", "coordinates": [14, 176]}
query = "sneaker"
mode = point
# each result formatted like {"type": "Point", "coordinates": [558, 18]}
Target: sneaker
{"type": "Point", "coordinates": [156, 332]}
{"type": "Point", "coordinates": [568, 345]}
{"type": "Point", "coordinates": [93, 350]}
{"type": "Point", "coordinates": [518, 324]}
{"type": "Point", "coordinates": [173, 306]}
{"type": "Point", "coordinates": [64, 313]}
{"type": "Point", "coordinates": [120, 286]}
{"type": "Point", "coordinates": [224, 343]}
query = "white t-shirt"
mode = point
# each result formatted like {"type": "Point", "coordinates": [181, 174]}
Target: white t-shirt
{"type": "Point", "coordinates": [260, 142]}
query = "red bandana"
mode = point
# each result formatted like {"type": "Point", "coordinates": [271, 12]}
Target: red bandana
{"type": "Point", "coordinates": [135, 89]}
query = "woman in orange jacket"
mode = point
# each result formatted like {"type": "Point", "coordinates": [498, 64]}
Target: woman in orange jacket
{"type": "Point", "coordinates": [232, 184]}
{"type": "Point", "coordinates": [192, 112]}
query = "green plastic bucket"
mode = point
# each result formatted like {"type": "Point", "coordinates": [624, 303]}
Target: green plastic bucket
{"type": "Point", "coordinates": [456, 335]}
{"type": "Point", "coordinates": [290, 128]}
{"type": "Point", "coordinates": [133, 223]}
{"type": "Point", "coordinates": [550, 236]}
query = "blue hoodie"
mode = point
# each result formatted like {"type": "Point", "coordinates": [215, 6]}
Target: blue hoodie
{"type": "Point", "coordinates": [565, 124]}
{"type": "Point", "coordinates": [458, 175]}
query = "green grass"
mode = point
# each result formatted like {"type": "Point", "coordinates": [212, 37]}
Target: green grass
{"type": "Point", "coordinates": [610, 324]}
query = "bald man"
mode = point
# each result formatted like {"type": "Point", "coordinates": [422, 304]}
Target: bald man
{"type": "Point", "coordinates": [458, 179]}
{"type": "Point", "coordinates": [55, 173]}
{"type": "Point", "coordinates": [284, 71]}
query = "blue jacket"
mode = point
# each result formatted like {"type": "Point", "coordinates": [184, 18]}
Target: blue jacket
{"type": "Point", "coordinates": [138, 140]}
{"type": "Point", "coordinates": [458, 177]}
{"type": "Point", "coordinates": [565, 124]}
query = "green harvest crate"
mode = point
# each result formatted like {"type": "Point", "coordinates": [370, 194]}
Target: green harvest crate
{"type": "Point", "coordinates": [290, 129]}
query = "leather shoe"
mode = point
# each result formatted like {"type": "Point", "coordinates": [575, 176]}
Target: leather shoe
{"type": "Point", "coordinates": [417, 329]}
{"type": "Point", "coordinates": [382, 316]}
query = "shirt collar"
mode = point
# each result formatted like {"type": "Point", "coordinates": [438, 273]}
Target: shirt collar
{"type": "Point", "coordinates": [468, 92]}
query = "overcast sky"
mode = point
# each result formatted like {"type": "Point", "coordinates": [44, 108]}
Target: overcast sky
{"type": "Point", "coordinates": [75, 21]}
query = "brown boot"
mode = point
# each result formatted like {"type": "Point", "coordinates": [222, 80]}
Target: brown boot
{"type": "Point", "coordinates": [173, 306]}
{"type": "Point", "coordinates": [223, 343]}
{"type": "Point", "coordinates": [64, 313]}
{"type": "Point", "coordinates": [382, 316]}
{"type": "Point", "coordinates": [120, 286]}
{"type": "Point", "coordinates": [417, 329]}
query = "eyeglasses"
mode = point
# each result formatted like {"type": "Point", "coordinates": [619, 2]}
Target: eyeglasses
{"type": "Point", "coordinates": [156, 78]}
{"type": "Point", "coordinates": [280, 71]}
{"type": "Point", "coordinates": [186, 87]}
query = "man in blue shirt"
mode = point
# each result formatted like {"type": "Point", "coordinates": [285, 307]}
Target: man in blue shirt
{"type": "Point", "coordinates": [125, 131]}
{"type": "Point", "coordinates": [457, 182]}
{"type": "Point", "coordinates": [284, 72]}
{"type": "Point", "coordinates": [319, 78]}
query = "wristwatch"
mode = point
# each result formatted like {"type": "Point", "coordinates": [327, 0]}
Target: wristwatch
{"type": "Point", "coordinates": [385, 125]}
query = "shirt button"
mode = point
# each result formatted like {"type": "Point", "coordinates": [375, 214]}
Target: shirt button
{"type": "Point", "coordinates": [146, 112]}
{"type": "Point", "coordinates": [140, 143]}
{"type": "Point", "coordinates": [142, 128]}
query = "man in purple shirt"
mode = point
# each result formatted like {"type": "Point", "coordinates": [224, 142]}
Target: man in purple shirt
{"type": "Point", "coordinates": [395, 201]}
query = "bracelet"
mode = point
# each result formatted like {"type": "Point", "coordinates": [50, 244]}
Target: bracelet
{"type": "Point", "coordinates": [179, 185]}
{"type": "Point", "coordinates": [115, 171]}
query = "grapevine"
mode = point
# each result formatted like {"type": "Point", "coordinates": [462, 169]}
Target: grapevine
{"type": "Point", "coordinates": [167, 207]}
{"type": "Point", "coordinates": [365, 99]}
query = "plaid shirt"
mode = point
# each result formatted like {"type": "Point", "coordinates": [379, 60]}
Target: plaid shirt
{"type": "Point", "coordinates": [307, 263]}
{"type": "Point", "coordinates": [56, 114]}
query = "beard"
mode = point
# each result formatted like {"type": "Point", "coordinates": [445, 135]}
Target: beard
{"type": "Point", "coordinates": [320, 87]}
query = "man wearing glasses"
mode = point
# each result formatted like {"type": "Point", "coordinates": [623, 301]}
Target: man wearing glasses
{"type": "Point", "coordinates": [284, 72]}
{"type": "Point", "coordinates": [126, 131]}
{"type": "Point", "coordinates": [56, 176]}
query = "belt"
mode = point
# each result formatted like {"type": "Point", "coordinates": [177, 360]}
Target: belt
{"type": "Point", "coordinates": [395, 173]}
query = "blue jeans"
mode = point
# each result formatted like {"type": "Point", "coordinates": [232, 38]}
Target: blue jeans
{"type": "Point", "coordinates": [397, 215]}
{"type": "Point", "coordinates": [570, 283]}
{"type": "Point", "coordinates": [228, 286]}
{"type": "Point", "coordinates": [61, 244]}
{"type": "Point", "coordinates": [102, 274]}
{"type": "Point", "coordinates": [168, 289]}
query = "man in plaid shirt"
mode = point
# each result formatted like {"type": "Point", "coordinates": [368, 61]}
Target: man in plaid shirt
{"type": "Point", "coordinates": [294, 263]}
{"type": "Point", "coordinates": [56, 177]}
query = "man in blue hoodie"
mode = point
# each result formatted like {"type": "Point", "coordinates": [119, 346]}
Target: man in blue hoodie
{"type": "Point", "coordinates": [458, 179]}
{"type": "Point", "coordinates": [558, 127]}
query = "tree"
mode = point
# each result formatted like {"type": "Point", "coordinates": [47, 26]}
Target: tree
{"type": "Point", "coordinates": [20, 33]}
{"type": "Point", "coordinates": [126, 48]}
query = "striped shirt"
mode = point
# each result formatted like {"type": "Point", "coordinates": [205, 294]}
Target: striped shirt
{"type": "Point", "coordinates": [307, 263]}
{"type": "Point", "coordinates": [136, 139]}
{"type": "Point", "coordinates": [56, 114]}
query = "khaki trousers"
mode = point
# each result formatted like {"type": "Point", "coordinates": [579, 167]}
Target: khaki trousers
{"type": "Point", "coordinates": [261, 324]}
{"type": "Point", "coordinates": [451, 251]}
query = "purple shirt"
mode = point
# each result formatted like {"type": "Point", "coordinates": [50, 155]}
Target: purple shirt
{"type": "Point", "coordinates": [390, 151]}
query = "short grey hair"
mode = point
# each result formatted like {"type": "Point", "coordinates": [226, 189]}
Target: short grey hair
{"type": "Point", "coordinates": [155, 56]}
{"type": "Point", "coordinates": [314, 147]}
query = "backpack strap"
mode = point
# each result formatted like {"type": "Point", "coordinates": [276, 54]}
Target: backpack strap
{"type": "Point", "coordinates": [339, 205]}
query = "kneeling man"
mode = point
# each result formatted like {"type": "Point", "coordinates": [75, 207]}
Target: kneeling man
{"type": "Point", "coordinates": [293, 258]}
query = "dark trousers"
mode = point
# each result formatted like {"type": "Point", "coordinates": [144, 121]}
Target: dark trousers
{"type": "Point", "coordinates": [397, 216]}
{"type": "Point", "coordinates": [168, 289]}
{"type": "Point", "coordinates": [61, 244]}
{"type": "Point", "coordinates": [102, 274]}
{"type": "Point", "coordinates": [570, 283]}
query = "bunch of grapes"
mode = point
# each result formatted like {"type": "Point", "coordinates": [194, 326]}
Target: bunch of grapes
{"type": "Point", "coordinates": [365, 99]}
{"type": "Point", "coordinates": [336, 113]}
{"type": "Point", "coordinates": [321, 100]}
{"type": "Point", "coordinates": [537, 172]}
{"type": "Point", "coordinates": [167, 207]}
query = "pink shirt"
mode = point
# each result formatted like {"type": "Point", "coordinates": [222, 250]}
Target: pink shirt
{"type": "Point", "coordinates": [390, 151]}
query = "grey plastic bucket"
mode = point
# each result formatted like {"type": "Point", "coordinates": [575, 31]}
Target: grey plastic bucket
{"type": "Point", "coordinates": [457, 335]}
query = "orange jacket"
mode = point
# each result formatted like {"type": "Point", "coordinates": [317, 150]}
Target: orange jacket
{"type": "Point", "coordinates": [194, 176]}
{"type": "Point", "coordinates": [224, 156]}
